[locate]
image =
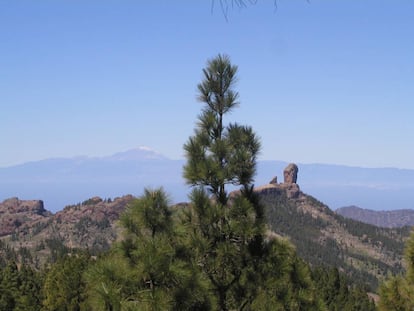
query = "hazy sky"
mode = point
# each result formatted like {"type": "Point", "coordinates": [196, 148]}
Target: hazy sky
{"type": "Point", "coordinates": [319, 81]}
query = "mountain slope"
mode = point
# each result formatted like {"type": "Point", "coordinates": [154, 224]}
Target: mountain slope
{"type": "Point", "coordinates": [389, 219]}
{"type": "Point", "coordinates": [365, 252]}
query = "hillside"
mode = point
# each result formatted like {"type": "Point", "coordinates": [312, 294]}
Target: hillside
{"type": "Point", "coordinates": [15, 213]}
{"type": "Point", "coordinates": [365, 252]}
{"type": "Point", "coordinates": [323, 238]}
{"type": "Point", "coordinates": [388, 219]}
{"type": "Point", "coordinates": [35, 237]}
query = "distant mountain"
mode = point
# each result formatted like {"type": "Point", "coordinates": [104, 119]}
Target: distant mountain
{"type": "Point", "coordinates": [62, 181]}
{"type": "Point", "coordinates": [388, 219]}
{"type": "Point", "coordinates": [138, 154]}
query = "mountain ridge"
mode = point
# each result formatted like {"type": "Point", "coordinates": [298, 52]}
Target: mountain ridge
{"type": "Point", "coordinates": [388, 219]}
{"type": "Point", "coordinates": [133, 170]}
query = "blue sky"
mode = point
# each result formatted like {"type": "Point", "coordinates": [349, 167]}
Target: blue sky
{"type": "Point", "coordinates": [319, 81]}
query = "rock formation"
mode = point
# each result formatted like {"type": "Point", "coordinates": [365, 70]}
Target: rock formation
{"type": "Point", "coordinates": [290, 174]}
{"type": "Point", "coordinates": [292, 191]}
{"type": "Point", "coordinates": [15, 212]}
{"type": "Point", "coordinates": [289, 185]}
{"type": "Point", "coordinates": [273, 181]}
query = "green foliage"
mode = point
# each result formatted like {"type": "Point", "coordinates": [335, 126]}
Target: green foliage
{"type": "Point", "coordinates": [304, 231]}
{"type": "Point", "coordinates": [409, 258]}
{"type": "Point", "coordinates": [83, 225]}
{"type": "Point", "coordinates": [30, 294]}
{"type": "Point", "coordinates": [218, 155]}
{"type": "Point", "coordinates": [220, 238]}
{"type": "Point", "coordinates": [64, 286]}
{"type": "Point", "coordinates": [387, 238]}
{"type": "Point", "coordinates": [397, 293]}
{"type": "Point", "coordinates": [57, 248]}
{"type": "Point", "coordinates": [9, 287]}
{"type": "Point", "coordinates": [110, 281]}
{"type": "Point", "coordinates": [20, 289]}
{"type": "Point", "coordinates": [7, 254]}
{"type": "Point", "coordinates": [150, 213]}
{"type": "Point", "coordinates": [244, 269]}
{"type": "Point", "coordinates": [149, 269]}
{"type": "Point", "coordinates": [39, 226]}
{"type": "Point", "coordinates": [339, 293]}
{"type": "Point", "coordinates": [25, 255]}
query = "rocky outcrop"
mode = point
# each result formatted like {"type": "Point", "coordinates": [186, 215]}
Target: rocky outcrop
{"type": "Point", "coordinates": [95, 209]}
{"type": "Point", "coordinates": [289, 185]}
{"type": "Point", "coordinates": [15, 213]}
{"type": "Point", "coordinates": [273, 181]}
{"type": "Point", "coordinates": [80, 225]}
{"type": "Point", "coordinates": [290, 174]}
{"type": "Point", "coordinates": [292, 191]}
{"type": "Point", "coordinates": [14, 205]}
{"type": "Point", "coordinates": [91, 224]}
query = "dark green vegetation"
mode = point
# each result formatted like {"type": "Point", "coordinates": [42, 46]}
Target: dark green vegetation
{"type": "Point", "coordinates": [20, 289]}
{"type": "Point", "coordinates": [397, 293]}
{"type": "Point", "coordinates": [366, 253]}
{"type": "Point", "coordinates": [339, 293]}
{"type": "Point", "coordinates": [215, 253]}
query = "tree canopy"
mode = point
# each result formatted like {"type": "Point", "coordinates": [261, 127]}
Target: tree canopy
{"type": "Point", "coordinates": [397, 292]}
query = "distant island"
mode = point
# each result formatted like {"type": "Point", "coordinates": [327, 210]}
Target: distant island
{"type": "Point", "coordinates": [64, 181]}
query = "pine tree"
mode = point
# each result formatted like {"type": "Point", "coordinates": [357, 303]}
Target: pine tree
{"type": "Point", "coordinates": [214, 255]}
{"type": "Point", "coordinates": [20, 289]}
{"type": "Point", "coordinates": [149, 268]}
{"type": "Point", "coordinates": [9, 286]}
{"type": "Point", "coordinates": [227, 231]}
{"type": "Point", "coordinates": [219, 155]}
{"type": "Point", "coordinates": [409, 258]}
{"type": "Point", "coordinates": [29, 296]}
{"type": "Point", "coordinates": [397, 293]}
{"type": "Point", "coordinates": [64, 285]}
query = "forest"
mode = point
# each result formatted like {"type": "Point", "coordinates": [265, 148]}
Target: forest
{"type": "Point", "coordinates": [216, 253]}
